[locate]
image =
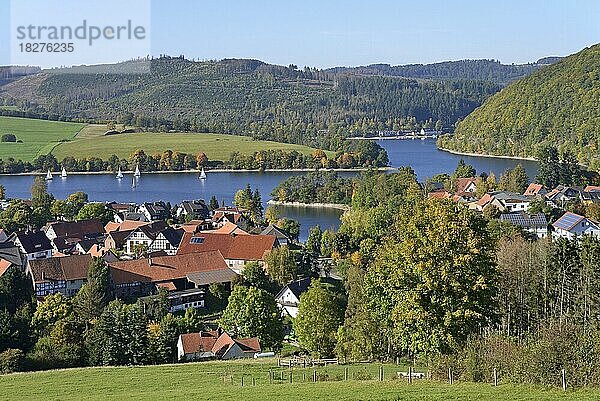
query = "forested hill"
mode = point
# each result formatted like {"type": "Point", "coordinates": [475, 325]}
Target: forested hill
{"type": "Point", "coordinates": [557, 105]}
{"type": "Point", "coordinates": [248, 97]}
{"type": "Point", "coordinates": [483, 70]}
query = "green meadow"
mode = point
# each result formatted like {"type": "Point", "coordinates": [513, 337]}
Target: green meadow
{"type": "Point", "coordinates": [223, 381]}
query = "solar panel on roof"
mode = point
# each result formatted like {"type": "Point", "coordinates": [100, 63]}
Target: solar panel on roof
{"type": "Point", "coordinates": [567, 221]}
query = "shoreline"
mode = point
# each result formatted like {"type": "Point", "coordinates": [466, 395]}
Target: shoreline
{"type": "Point", "coordinates": [56, 174]}
{"type": "Point", "coordinates": [337, 206]}
{"type": "Point", "coordinates": [454, 152]}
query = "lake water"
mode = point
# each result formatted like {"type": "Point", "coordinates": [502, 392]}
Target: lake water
{"type": "Point", "coordinates": [422, 156]}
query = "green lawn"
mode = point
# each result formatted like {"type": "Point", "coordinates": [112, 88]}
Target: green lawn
{"type": "Point", "coordinates": [38, 136]}
{"type": "Point", "coordinates": [213, 381]}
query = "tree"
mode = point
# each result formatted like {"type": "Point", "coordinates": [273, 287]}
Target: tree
{"type": "Point", "coordinates": [246, 199]}
{"type": "Point", "coordinates": [464, 170]}
{"type": "Point", "coordinates": [252, 312]}
{"type": "Point", "coordinates": [514, 180]}
{"type": "Point", "coordinates": [54, 308]}
{"type": "Point", "coordinates": [291, 227]}
{"type": "Point", "coordinates": [214, 203]}
{"type": "Point", "coordinates": [319, 318]}
{"type": "Point", "coordinates": [2, 192]}
{"type": "Point", "coordinates": [549, 166]}
{"type": "Point", "coordinates": [432, 282]}
{"type": "Point", "coordinates": [281, 265]}
{"type": "Point", "coordinates": [355, 340]}
{"type": "Point", "coordinates": [313, 243]}
{"type": "Point", "coordinates": [327, 241]}
{"type": "Point", "coordinates": [95, 294]}
{"type": "Point", "coordinates": [272, 214]}
{"type": "Point", "coordinates": [95, 211]}
{"type": "Point", "coordinates": [256, 276]}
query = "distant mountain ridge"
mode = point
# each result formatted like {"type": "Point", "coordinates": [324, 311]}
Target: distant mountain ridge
{"type": "Point", "coordinates": [484, 70]}
{"type": "Point", "coordinates": [557, 105]}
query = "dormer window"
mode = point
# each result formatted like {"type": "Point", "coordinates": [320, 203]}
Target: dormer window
{"type": "Point", "coordinates": [197, 240]}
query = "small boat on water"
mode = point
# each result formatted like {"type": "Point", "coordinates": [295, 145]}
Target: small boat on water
{"type": "Point", "coordinates": [202, 174]}
{"type": "Point", "coordinates": [119, 174]}
{"type": "Point", "coordinates": [133, 185]}
{"type": "Point", "coordinates": [49, 176]}
{"type": "Point", "coordinates": [137, 173]}
{"type": "Point", "coordinates": [63, 175]}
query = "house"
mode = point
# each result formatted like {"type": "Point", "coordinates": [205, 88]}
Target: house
{"type": "Point", "coordinates": [466, 188]}
{"type": "Point", "coordinates": [227, 228]}
{"type": "Point", "coordinates": [10, 253]}
{"type": "Point", "coordinates": [440, 194]}
{"type": "Point", "coordinates": [155, 237]}
{"type": "Point", "coordinates": [562, 194]}
{"type": "Point", "coordinates": [125, 225]}
{"type": "Point", "coordinates": [142, 277]}
{"type": "Point", "coordinates": [233, 215]}
{"type": "Point", "coordinates": [131, 216]}
{"type": "Point", "coordinates": [535, 190]}
{"type": "Point", "coordinates": [155, 211]}
{"type": "Point", "coordinates": [288, 298]}
{"type": "Point", "coordinates": [193, 210]}
{"type": "Point", "coordinates": [84, 229]}
{"type": "Point", "coordinates": [536, 224]}
{"type": "Point", "coordinates": [215, 345]}
{"type": "Point", "coordinates": [571, 226]}
{"type": "Point", "coordinates": [3, 236]}
{"type": "Point", "coordinates": [590, 197]}
{"type": "Point", "coordinates": [34, 244]}
{"type": "Point", "coordinates": [282, 237]}
{"type": "Point", "coordinates": [509, 202]}
{"type": "Point", "coordinates": [65, 275]}
{"type": "Point", "coordinates": [236, 249]}
{"type": "Point", "coordinates": [592, 188]}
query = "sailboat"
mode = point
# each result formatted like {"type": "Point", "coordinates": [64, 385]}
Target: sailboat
{"type": "Point", "coordinates": [202, 174]}
{"type": "Point", "coordinates": [49, 176]}
{"type": "Point", "coordinates": [119, 174]}
{"type": "Point", "coordinates": [133, 183]}
{"type": "Point", "coordinates": [137, 173]}
{"type": "Point", "coordinates": [63, 175]}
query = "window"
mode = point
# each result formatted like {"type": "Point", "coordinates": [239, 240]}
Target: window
{"type": "Point", "coordinates": [197, 240]}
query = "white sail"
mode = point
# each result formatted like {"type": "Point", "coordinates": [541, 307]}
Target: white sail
{"type": "Point", "coordinates": [137, 171]}
{"type": "Point", "coordinates": [423, 131]}
{"type": "Point", "coordinates": [133, 182]}
{"type": "Point", "coordinates": [120, 174]}
{"type": "Point", "coordinates": [49, 176]}
{"type": "Point", "coordinates": [202, 174]}
{"type": "Point", "coordinates": [64, 173]}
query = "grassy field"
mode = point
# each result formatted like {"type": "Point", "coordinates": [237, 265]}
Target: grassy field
{"type": "Point", "coordinates": [216, 147]}
{"type": "Point", "coordinates": [38, 136]}
{"type": "Point", "coordinates": [78, 140]}
{"type": "Point", "coordinates": [222, 381]}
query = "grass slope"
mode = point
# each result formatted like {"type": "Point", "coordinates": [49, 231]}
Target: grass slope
{"type": "Point", "coordinates": [38, 136]}
{"type": "Point", "coordinates": [217, 147]}
{"type": "Point", "coordinates": [78, 140]}
{"type": "Point", "coordinates": [212, 381]}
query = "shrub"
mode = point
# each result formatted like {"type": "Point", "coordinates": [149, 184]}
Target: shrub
{"type": "Point", "coordinates": [11, 360]}
{"type": "Point", "coordinates": [9, 138]}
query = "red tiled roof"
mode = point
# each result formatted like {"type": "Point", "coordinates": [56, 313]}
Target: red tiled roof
{"type": "Point", "coordinates": [4, 265]}
{"type": "Point", "coordinates": [440, 195]}
{"type": "Point", "coordinates": [592, 188]}
{"type": "Point", "coordinates": [165, 268]}
{"type": "Point", "coordinates": [485, 199]}
{"type": "Point", "coordinates": [77, 229]}
{"type": "Point", "coordinates": [127, 225]}
{"type": "Point", "coordinates": [227, 228]}
{"type": "Point", "coordinates": [240, 247]}
{"type": "Point", "coordinates": [533, 189]}
{"type": "Point", "coordinates": [252, 344]}
{"type": "Point", "coordinates": [195, 343]}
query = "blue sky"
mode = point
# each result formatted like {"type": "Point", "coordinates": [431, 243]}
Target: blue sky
{"type": "Point", "coordinates": [329, 33]}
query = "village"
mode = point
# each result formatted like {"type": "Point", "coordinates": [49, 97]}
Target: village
{"type": "Point", "coordinates": [184, 252]}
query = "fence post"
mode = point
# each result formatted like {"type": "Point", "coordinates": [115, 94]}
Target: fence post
{"type": "Point", "coordinates": [314, 375]}
{"type": "Point", "coordinates": [278, 362]}
{"type": "Point", "coordinates": [495, 378]}
{"type": "Point", "coordinates": [270, 377]}
{"type": "Point", "coordinates": [282, 375]}
{"type": "Point", "coordinates": [410, 373]}
{"type": "Point", "coordinates": [242, 381]}
{"type": "Point", "coordinates": [564, 379]}
{"type": "Point", "coordinates": [346, 373]}
{"type": "Point", "coordinates": [291, 377]}
{"type": "Point", "coordinates": [253, 381]}
{"type": "Point", "coordinates": [450, 375]}
{"type": "Point", "coordinates": [304, 377]}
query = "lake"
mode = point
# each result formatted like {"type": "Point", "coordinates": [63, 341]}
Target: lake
{"type": "Point", "coordinates": [422, 156]}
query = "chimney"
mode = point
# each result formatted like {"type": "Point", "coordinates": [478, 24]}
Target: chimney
{"type": "Point", "coordinates": [43, 276]}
